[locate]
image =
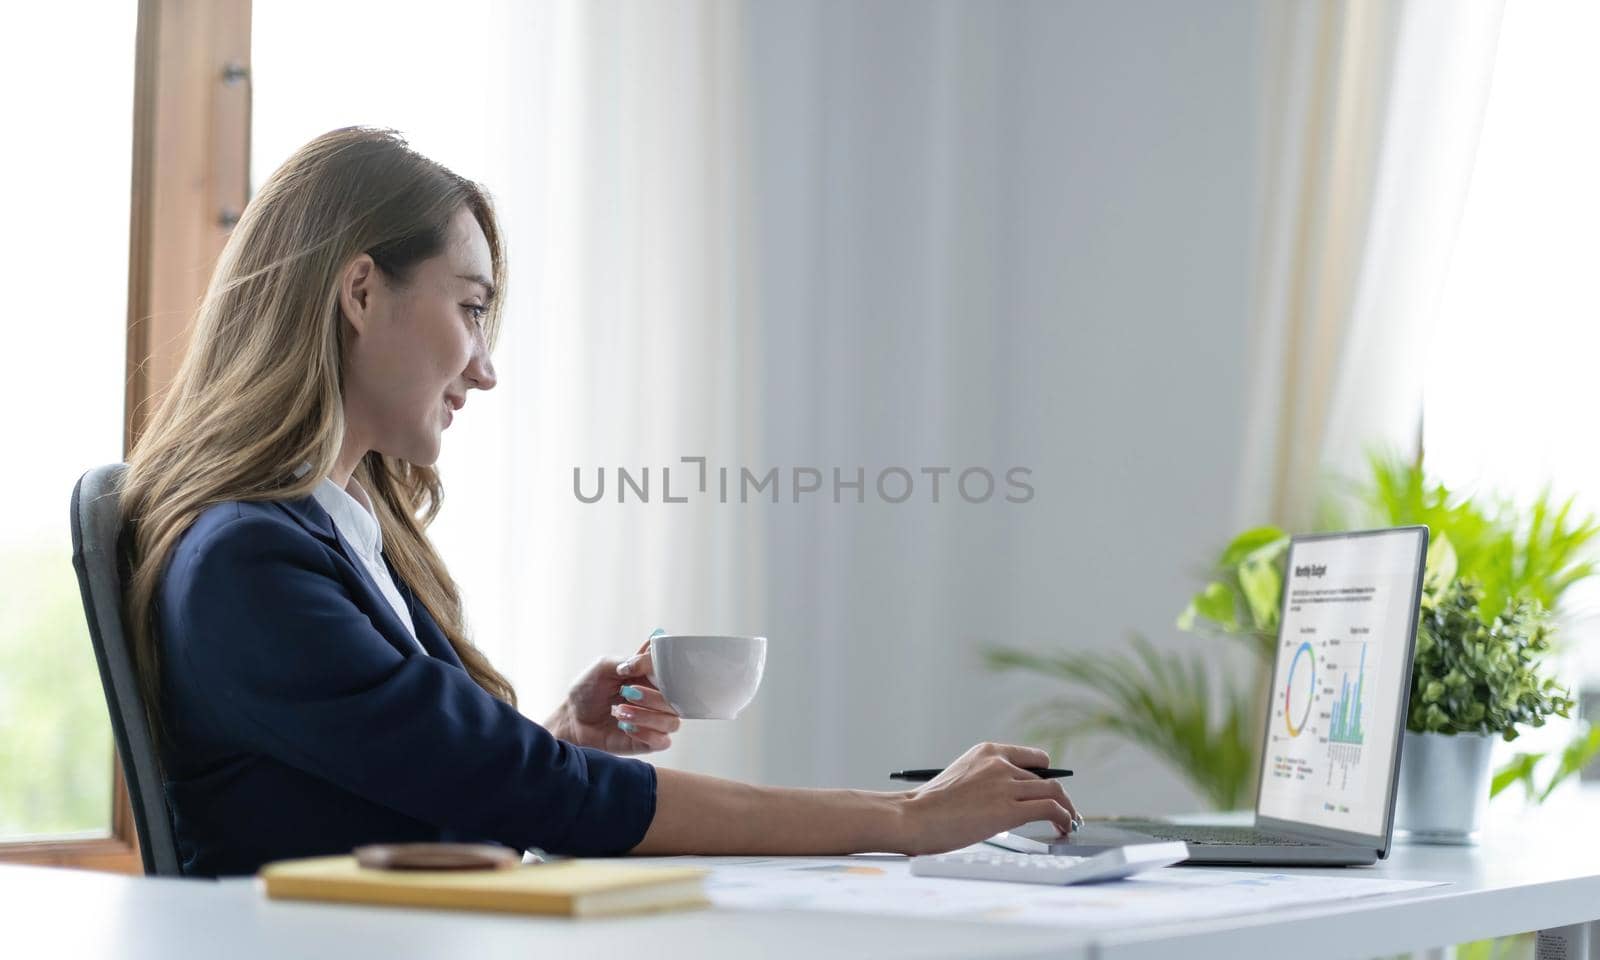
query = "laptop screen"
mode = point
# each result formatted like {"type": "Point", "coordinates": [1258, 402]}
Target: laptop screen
{"type": "Point", "coordinates": [1341, 678]}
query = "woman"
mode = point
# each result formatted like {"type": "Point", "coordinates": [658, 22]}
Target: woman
{"type": "Point", "coordinates": [300, 644]}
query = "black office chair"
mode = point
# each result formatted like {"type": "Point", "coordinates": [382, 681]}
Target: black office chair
{"type": "Point", "coordinates": [94, 555]}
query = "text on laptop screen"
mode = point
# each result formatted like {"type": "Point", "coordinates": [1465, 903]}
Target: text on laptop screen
{"type": "Point", "coordinates": [1343, 645]}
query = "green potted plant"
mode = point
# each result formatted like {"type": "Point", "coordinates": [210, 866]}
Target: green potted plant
{"type": "Point", "coordinates": [1533, 551]}
{"type": "Point", "coordinates": [1477, 676]}
{"type": "Point", "coordinates": [1204, 720]}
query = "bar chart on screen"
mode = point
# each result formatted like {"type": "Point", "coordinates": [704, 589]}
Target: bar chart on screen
{"type": "Point", "coordinates": [1345, 717]}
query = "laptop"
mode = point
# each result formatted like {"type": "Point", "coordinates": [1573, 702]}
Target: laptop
{"type": "Point", "coordinates": [1340, 688]}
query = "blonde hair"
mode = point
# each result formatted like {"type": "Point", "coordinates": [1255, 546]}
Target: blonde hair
{"type": "Point", "coordinates": [260, 390]}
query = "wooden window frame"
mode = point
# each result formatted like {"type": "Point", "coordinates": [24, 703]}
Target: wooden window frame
{"type": "Point", "coordinates": [191, 180]}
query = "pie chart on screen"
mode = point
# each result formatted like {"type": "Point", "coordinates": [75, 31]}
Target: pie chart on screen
{"type": "Point", "coordinates": [1299, 690]}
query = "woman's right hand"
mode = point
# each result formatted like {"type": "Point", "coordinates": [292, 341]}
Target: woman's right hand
{"type": "Point", "coordinates": [986, 790]}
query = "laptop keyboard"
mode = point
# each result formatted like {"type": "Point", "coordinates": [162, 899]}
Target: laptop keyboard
{"type": "Point", "coordinates": [1210, 835]}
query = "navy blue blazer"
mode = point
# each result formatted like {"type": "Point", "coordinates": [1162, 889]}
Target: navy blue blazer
{"type": "Point", "coordinates": [300, 719]}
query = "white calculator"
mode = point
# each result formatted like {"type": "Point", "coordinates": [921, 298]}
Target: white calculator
{"type": "Point", "coordinates": [997, 864]}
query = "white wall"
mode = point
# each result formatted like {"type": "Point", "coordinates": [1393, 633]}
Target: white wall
{"type": "Point", "coordinates": [993, 235]}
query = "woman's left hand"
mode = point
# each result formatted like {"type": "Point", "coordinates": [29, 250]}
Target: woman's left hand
{"type": "Point", "coordinates": [614, 707]}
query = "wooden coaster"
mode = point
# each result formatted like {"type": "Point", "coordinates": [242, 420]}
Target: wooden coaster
{"type": "Point", "coordinates": [437, 856]}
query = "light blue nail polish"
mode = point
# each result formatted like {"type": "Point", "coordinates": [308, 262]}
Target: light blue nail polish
{"type": "Point", "coordinates": [658, 632]}
{"type": "Point", "coordinates": [632, 692]}
{"type": "Point", "coordinates": [627, 727]}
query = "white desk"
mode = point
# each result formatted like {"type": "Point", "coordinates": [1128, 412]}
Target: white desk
{"type": "Point", "coordinates": [1520, 880]}
{"type": "Point", "coordinates": [1541, 874]}
{"type": "Point", "coordinates": [49, 912]}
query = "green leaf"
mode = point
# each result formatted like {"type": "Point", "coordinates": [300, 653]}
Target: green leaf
{"type": "Point", "coordinates": [1519, 769]}
{"type": "Point", "coordinates": [1441, 565]}
{"type": "Point", "coordinates": [1435, 718]}
{"type": "Point", "coordinates": [1248, 543]}
{"type": "Point", "coordinates": [1216, 604]}
{"type": "Point", "coordinates": [1574, 757]}
{"type": "Point", "coordinates": [1262, 584]}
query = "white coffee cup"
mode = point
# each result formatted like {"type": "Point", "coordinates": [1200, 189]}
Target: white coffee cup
{"type": "Point", "coordinates": [707, 678]}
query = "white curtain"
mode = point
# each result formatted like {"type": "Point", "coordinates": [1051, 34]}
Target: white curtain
{"type": "Point", "coordinates": [627, 346]}
{"type": "Point", "coordinates": [1370, 130]}
{"type": "Point", "coordinates": [877, 146]}
{"type": "Point", "coordinates": [778, 281]}
{"type": "Point", "coordinates": [841, 235]}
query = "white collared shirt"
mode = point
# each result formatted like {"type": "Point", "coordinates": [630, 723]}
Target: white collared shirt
{"type": "Point", "coordinates": [351, 511]}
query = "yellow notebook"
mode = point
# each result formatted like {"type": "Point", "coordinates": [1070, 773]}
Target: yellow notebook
{"type": "Point", "coordinates": [572, 888]}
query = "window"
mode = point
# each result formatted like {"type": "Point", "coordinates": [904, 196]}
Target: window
{"type": "Point", "coordinates": [146, 99]}
{"type": "Point", "coordinates": [67, 248]}
{"type": "Point", "coordinates": [1510, 400]}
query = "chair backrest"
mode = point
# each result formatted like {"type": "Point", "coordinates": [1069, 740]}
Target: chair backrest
{"type": "Point", "coordinates": [95, 530]}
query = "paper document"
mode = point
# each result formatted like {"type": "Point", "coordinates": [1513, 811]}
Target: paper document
{"type": "Point", "coordinates": [884, 885]}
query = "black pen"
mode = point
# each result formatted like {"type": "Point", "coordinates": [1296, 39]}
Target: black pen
{"type": "Point", "coordinates": [921, 776]}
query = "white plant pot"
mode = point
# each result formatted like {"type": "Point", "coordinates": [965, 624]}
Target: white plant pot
{"type": "Point", "coordinates": [1444, 787]}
